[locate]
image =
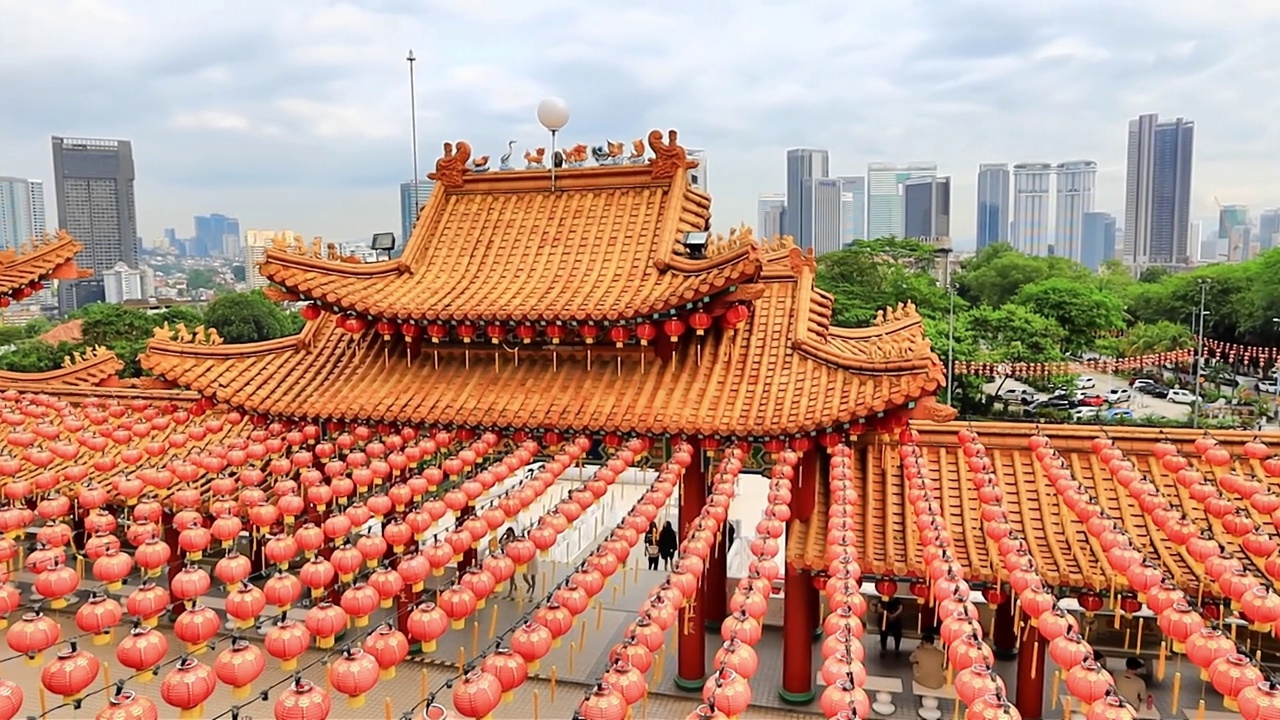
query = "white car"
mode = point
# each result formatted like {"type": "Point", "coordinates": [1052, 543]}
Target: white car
{"type": "Point", "coordinates": [1267, 386]}
{"type": "Point", "coordinates": [1085, 382]}
{"type": "Point", "coordinates": [1118, 395]}
{"type": "Point", "coordinates": [1184, 397]}
{"type": "Point", "coordinates": [1084, 413]}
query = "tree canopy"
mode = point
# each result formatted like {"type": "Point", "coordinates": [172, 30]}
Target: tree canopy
{"type": "Point", "coordinates": [248, 317]}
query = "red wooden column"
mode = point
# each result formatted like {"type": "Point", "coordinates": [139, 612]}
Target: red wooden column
{"type": "Point", "coordinates": [797, 638]}
{"type": "Point", "coordinates": [692, 669]}
{"type": "Point", "coordinates": [1030, 690]}
{"type": "Point", "coordinates": [1005, 638]}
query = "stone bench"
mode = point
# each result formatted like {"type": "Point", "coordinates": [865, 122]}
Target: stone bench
{"type": "Point", "coordinates": [885, 688]}
{"type": "Point", "coordinates": [929, 698]}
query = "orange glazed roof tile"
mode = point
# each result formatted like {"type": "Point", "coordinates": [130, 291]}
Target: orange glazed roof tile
{"type": "Point", "coordinates": [53, 257]}
{"type": "Point", "coordinates": [1063, 552]}
{"type": "Point", "coordinates": [505, 246]}
{"type": "Point", "coordinates": [785, 370]}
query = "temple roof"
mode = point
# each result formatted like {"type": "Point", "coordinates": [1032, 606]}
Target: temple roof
{"type": "Point", "coordinates": [785, 370]}
{"type": "Point", "coordinates": [502, 245]}
{"type": "Point", "coordinates": [1064, 553]}
{"type": "Point", "coordinates": [89, 369]}
{"type": "Point", "coordinates": [50, 258]}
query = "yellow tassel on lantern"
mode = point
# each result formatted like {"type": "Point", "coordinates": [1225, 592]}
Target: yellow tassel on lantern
{"type": "Point", "coordinates": [145, 676]}
{"type": "Point", "coordinates": [480, 603]}
{"type": "Point", "coordinates": [346, 577]}
{"type": "Point", "coordinates": [386, 603]}
{"type": "Point", "coordinates": [194, 712]}
{"type": "Point", "coordinates": [429, 646]}
{"type": "Point", "coordinates": [34, 660]}
{"type": "Point", "coordinates": [418, 586]}
{"type": "Point", "coordinates": [102, 638]}
{"type": "Point", "coordinates": [355, 701]}
{"type": "Point", "coordinates": [387, 673]}
{"type": "Point", "coordinates": [240, 692]}
{"type": "Point", "coordinates": [437, 571]}
{"type": "Point", "coordinates": [458, 624]}
{"type": "Point", "coordinates": [324, 642]}
{"type": "Point", "coordinates": [361, 620]}
{"type": "Point", "coordinates": [289, 665]}
{"type": "Point", "coordinates": [58, 603]}
{"type": "Point", "coordinates": [508, 696]}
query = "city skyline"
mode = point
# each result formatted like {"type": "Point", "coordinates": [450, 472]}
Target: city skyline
{"type": "Point", "coordinates": [316, 134]}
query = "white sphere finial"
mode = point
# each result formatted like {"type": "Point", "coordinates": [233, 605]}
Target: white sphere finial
{"type": "Point", "coordinates": [553, 113]}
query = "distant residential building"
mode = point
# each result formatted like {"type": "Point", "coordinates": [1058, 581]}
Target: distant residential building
{"type": "Point", "coordinates": [804, 166]}
{"type": "Point", "coordinates": [993, 204]}
{"type": "Point", "coordinates": [1097, 239]}
{"type": "Point", "coordinates": [412, 197]}
{"type": "Point", "coordinates": [256, 243]}
{"type": "Point", "coordinates": [1231, 216]}
{"type": "Point", "coordinates": [769, 209]}
{"type": "Point", "coordinates": [1158, 191]}
{"type": "Point", "coordinates": [216, 236]}
{"type": "Point", "coordinates": [1075, 184]}
{"type": "Point", "coordinates": [1031, 220]}
{"type": "Point", "coordinates": [926, 207]}
{"type": "Point", "coordinates": [1240, 244]}
{"type": "Point", "coordinates": [853, 209]}
{"type": "Point", "coordinates": [884, 195]}
{"type": "Point", "coordinates": [698, 179]}
{"type": "Point", "coordinates": [22, 215]}
{"type": "Point", "coordinates": [122, 283]}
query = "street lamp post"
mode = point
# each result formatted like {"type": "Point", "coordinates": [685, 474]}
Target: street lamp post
{"type": "Point", "coordinates": [1195, 407]}
{"type": "Point", "coordinates": [951, 323]}
{"type": "Point", "coordinates": [1275, 377]}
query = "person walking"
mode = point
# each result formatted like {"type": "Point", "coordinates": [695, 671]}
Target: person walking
{"type": "Point", "coordinates": [651, 545]}
{"type": "Point", "coordinates": [667, 544]}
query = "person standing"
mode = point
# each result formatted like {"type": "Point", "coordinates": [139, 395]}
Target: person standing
{"type": "Point", "coordinates": [651, 546]}
{"type": "Point", "coordinates": [892, 627]}
{"type": "Point", "coordinates": [668, 543]}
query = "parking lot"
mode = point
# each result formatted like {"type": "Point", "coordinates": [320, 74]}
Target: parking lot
{"type": "Point", "coordinates": [1141, 405]}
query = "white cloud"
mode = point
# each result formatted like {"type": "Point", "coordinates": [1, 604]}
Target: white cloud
{"type": "Point", "coordinates": [220, 98]}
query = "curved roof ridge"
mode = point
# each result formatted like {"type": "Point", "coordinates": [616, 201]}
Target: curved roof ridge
{"type": "Point", "coordinates": [95, 365]}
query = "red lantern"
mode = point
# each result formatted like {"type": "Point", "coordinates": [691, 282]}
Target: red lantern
{"type": "Point", "coordinates": [69, 675]}
{"type": "Point", "coordinates": [303, 701]}
{"type": "Point", "coordinates": [477, 694]}
{"type": "Point", "coordinates": [188, 686]}
{"type": "Point", "coordinates": [239, 665]}
{"type": "Point", "coordinates": [509, 668]}
{"type": "Point", "coordinates": [125, 705]}
{"type": "Point", "coordinates": [354, 674]}
{"type": "Point", "coordinates": [32, 635]}
{"type": "Point", "coordinates": [286, 640]}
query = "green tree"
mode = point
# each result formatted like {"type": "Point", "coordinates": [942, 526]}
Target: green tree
{"type": "Point", "coordinates": [36, 357]}
{"type": "Point", "coordinates": [184, 314]}
{"type": "Point", "coordinates": [36, 327]}
{"type": "Point", "coordinates": [877, 273]}
{"type": "Point", "coordinates": [105, 324]}
{"type": "Point", "coordinates": [1014, 333]}
{"type": "Point", "coordinates": [998, 272]}
{"type": "Point", "coordinates": [247, 317]}
{"type": "Point", "coordinates": [1153, 274]}
{"type": "Point", "coordinates": [238, 272]}
{"type": "Point", "coordinates": [201, 279]}
{"type": "Point", "coordinates": [1081, 310]}
{"type": "Point", "coordinates": [1149, 339]}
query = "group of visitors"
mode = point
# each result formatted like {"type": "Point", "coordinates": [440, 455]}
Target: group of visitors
{"type": "Point", "coordinates": [660, 545]}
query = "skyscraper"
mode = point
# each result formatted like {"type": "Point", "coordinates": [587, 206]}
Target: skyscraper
{"type": "Point", "coordinates": [1031, 222]}
{"type": "Point", "coordinates": [1075, 182]}
{"type": "Point", "coordinates": [698, 179]}
{"type": "Point", "coordinates": [1269, 229]}
{"type": "Point", "coordinates": [853, 209]}
{"type": "Point", "coordinates": [1097, 239]}
{"type": "Point", "coordinates": [21, 211]}
{"type": "Point", "coordinates": [769, 210]}
{"type": "Point", "coordinates": [1158, 190]}
{"type": "Point", "coordinates": [884, 195]}
{"type": "Point", "coordinates": [216, 236]}
{"type": "Point", "coordinates": [93, 182]}
{"type": "Point", "coordinates": [803, 166]}
{"type": "Point", "coordinates": [826, 212]}
{"type": "Point", "coordinates": [993, 204]}
{"type": "Point", "coordinates": [926, 207]}
{"type": "Point", "coordinates": [409, 209]}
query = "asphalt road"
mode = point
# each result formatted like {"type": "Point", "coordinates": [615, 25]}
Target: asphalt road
{"type": "Point", "coordinates": [1140, 404]}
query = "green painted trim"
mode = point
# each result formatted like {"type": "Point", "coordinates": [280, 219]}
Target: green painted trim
{"type": "Point", "coordinates": [791, 698]}
{"type": "Point", "coordinates": [690, 685]}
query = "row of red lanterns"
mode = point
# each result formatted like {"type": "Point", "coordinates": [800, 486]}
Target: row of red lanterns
{"type": "Point", "coordinates": [587, 332]}
{"type": "Point", "coordinates": [1245, 590]}
{"type": "Point", "coordinates": [843, 655]}
{"type": "Point", "coordinates": [1229, 671]}
{"type": "Point", "coordinates": [500, 673]}
{"type": "Point", "coordinates": [968, 655]}
{"type": "Point", "coordinates": [661, 609]}
{"type": "Point", "coordinates": [21, 293]}
{"type": "Point", "coordinates": [736, 662]}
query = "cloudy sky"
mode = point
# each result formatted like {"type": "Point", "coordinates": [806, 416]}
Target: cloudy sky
{"type": "Point", "coordinates": [295, 113]}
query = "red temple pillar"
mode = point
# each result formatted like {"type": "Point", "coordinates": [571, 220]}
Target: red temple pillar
{"type": "Point", "coordinates": [1030, 689]}
{"type": "Point", "coordinates": [800, 611]}
{"type": "Point", "coordinates": [693, 637]}
{"type": "Point", "coordinates": [1005, 637]}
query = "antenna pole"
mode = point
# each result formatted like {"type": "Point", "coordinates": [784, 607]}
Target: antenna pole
{"type": "Point", "coordinates": [413, 125]}
{"type": "Point", "coordinates": [553, 160]}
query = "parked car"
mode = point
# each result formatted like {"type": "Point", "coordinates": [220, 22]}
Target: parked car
{"type": "Point", "coordinates": [1085, 382]}
{"type": "Point", "coordinates": [1118, 414]}
{"type": "Point", "coordinates": [1059, 404]}
{"type": "Point", "coordinates": [1118, 395]}
{"type": "Point", "coordinates": [1154, 389]}
{"type": "Point", "coordinates": [1082, 414]}
{"type": "Point", "coordinates": [1267, 386]}
{"type": "Point", "coordinates": [1090, 400]}
{"type": "Point", "coordinates": [1184, 397]}
{"type": "Point", "coordinates": [1026, 396]}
